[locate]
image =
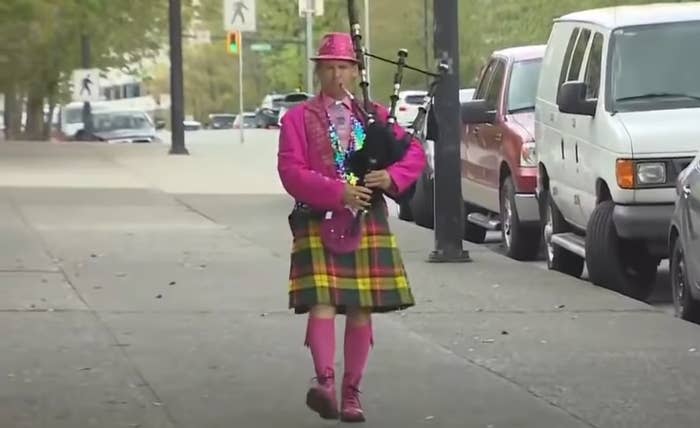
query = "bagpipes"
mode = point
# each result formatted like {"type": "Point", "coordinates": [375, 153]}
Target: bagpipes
{"type": "Point", "coordinates": [382, 148]}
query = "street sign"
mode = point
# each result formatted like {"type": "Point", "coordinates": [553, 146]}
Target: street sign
{"type": "Point", "coordinates": [260, 47]}
{"type": "Point", "coordinates": [313, 6]}
{"type": "Point", "coordinates": [239, 15]}
{"type": "Point", "coordinates": [86, 84]}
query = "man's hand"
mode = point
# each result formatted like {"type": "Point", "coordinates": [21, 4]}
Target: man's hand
{"type": "Point", "coordinates": [379, 179]}
{"type": "Point", "coordinates": [356, 197]}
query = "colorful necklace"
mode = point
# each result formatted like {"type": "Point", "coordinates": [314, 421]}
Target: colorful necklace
{"type": "Point", "coordinates": [340, 154]}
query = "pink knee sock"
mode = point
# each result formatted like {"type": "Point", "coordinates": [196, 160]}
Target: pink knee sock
{"type": "Point", "coordinates": [358, 341]}
{"type": "Point", "coordinates": [320, 338]}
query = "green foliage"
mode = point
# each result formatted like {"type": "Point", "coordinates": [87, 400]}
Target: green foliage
{"type": "Point", "coordinates": [41, 42]}
{"type": "Point", "coordinates": [485, 25]}
{"type": "Point", "coordinates": [42, 38]}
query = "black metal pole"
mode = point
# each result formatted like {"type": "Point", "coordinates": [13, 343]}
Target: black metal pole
{"type": "Point", "coordinates": [177, 106]}
{"type": "Point", "coordinates": [87, 111]}
{"type": "Point", "coordinates": [449, 207]}
{"type": "Point", "coordinates": [426, 36]}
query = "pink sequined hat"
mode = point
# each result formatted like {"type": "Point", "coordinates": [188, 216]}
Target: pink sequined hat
{"type": "Point", "coordinates": [336, 46]}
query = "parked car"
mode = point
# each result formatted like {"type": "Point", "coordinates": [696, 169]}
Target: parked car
{"type": "Point", "coordinates": [684, 245]}
{"type": "Point", "coordinates": [617, 109]}
{"type": "Point", "coordinates": [420, 207]}
{"type": "Point", "coordinates": [70, 119]}
{"type": "Point", "coordinates": [267, 115]}
{"type": "Point", "coordinates": [499, 166]}
{"type": "Point", "coordinates": [123, 126]}
{"type": "Point", "coordinates": [249, 121]}
{"type": "Point", "coordinates": [191, 125]}
{"type": "Point", "coordinates": [221, 120]}
{"type": "Point", "coordinates": [289, 101]}
{"type": "Point", "coordinates": [407, 106]}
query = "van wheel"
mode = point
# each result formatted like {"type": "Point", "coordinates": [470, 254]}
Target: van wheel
{"type": "Point", "coordinates": [522, 242]}
{"type": "Point", "coordinates": [616, 264]}
{"type": "Point", "coordinates": [685, 306]}
{"type": "Point", "coordinates": [558, 259]}
{"type": "Point", "coordinates": [472, 232]}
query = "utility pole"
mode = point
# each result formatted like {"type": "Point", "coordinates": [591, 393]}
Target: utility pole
{"type": "Point", "coordinates": [426, 37]}
{"type": "Point", "coordinates": [177, 105]}
{"type": "Point", "coordinates": [87, 111]}
{"type": "Point", "coordinates": [240, 87]}
{"type": "Point", "coordinates": [310, 10]}
{"type": "Point", "coordinates": [449, 207]}
{"type": "Point", "coordinates": [366, 40]}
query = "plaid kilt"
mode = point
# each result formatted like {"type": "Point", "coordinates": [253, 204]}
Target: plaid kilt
{"type": "Point", "coordinates": [373, 277]}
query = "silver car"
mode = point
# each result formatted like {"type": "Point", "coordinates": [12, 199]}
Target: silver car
{"type": "Point", "coordinates": [684, 242]}
{"type": "Point", "coordinates": [124, 126]}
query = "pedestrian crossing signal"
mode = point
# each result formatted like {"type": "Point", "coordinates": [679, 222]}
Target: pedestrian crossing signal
{"type": "Point", "coordinates": [233, 42]}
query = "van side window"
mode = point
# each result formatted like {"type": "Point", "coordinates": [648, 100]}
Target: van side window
{"type": "Point", "coordinates": [495, 86]}
{"type": "Point", "coordinates": [579, 52]}
{"type": "Point", "coordinates": [593, 68]}
{"type": "Point", "coordinates": [567, 58]}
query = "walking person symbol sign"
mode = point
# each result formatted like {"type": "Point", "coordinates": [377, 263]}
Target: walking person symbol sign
{"type": "Point", "coordinates": [238, 11]}
{"type": "Point", "coordinates": [239, 15]}
{"type": "Point", "coordinates": [86, 85]}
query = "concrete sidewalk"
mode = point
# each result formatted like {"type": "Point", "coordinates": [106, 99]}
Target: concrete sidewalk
{"type": "Point", "coordinates": [132, 297]}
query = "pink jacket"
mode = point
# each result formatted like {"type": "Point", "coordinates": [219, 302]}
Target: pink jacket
{"type": "Point", "coordinates": [305, 158]}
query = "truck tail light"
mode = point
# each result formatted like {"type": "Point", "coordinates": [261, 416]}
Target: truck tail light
{"type": "Point", "coordinates": [528, 155]}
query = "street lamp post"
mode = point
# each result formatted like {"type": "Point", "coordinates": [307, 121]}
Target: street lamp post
{"type": "Point", "coordinates": [449, 209]}
{"type": "Point", "coordinates": [177, 108]}
{"type": "Point", "coordinates": [426, 38]}
{"type": "Point", "coordinates": [310, 10]}
{"type": "Point", "coordinates": [366, 39]}
{"type": "Point", "coordinates": [87, 110]}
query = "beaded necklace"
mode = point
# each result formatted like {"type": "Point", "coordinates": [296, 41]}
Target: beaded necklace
{"type": "Point", "coordinates": [340, 154]}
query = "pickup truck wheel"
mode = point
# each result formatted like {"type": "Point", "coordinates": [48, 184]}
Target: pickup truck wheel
{"type": "Point", "coordinates": [616, 264]}
{"type": "Point", "coordinates": [522, 242]}
{"type": "Point", "coordinates": [558, 258]}
{"type": "Point", "coordinates": [684, 305]}
{"type": "Point", "coordinates": [472, 232]}
{"type": "Point", "coordinates": [422, 203]}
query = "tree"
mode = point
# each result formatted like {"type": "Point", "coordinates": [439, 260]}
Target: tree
{"type": "Point", "coordinates": [42, 42]}
{"type": "Point", "coordinates": [211, 82]}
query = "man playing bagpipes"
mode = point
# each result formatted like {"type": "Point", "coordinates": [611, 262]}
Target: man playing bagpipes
{"type": "Point", "coordinates": [337, 158]}
{"type": "Point", "coordinates": [332, 159]}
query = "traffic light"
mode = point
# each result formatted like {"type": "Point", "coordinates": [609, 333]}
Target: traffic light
{"type": "Point", "coordinates": [233, 42]}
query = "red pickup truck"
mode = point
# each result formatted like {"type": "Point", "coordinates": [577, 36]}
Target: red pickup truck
{"type": "Point", "coordinates": [499, 163]}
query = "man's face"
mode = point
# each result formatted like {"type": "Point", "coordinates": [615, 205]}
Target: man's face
{"type": "Point", "coordinates": [333, 74]}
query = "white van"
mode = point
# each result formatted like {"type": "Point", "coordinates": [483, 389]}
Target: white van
{"type": "Point", "coordinates": [617, 119]}
{"type": "Point", "coordinates": [70, 118]}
